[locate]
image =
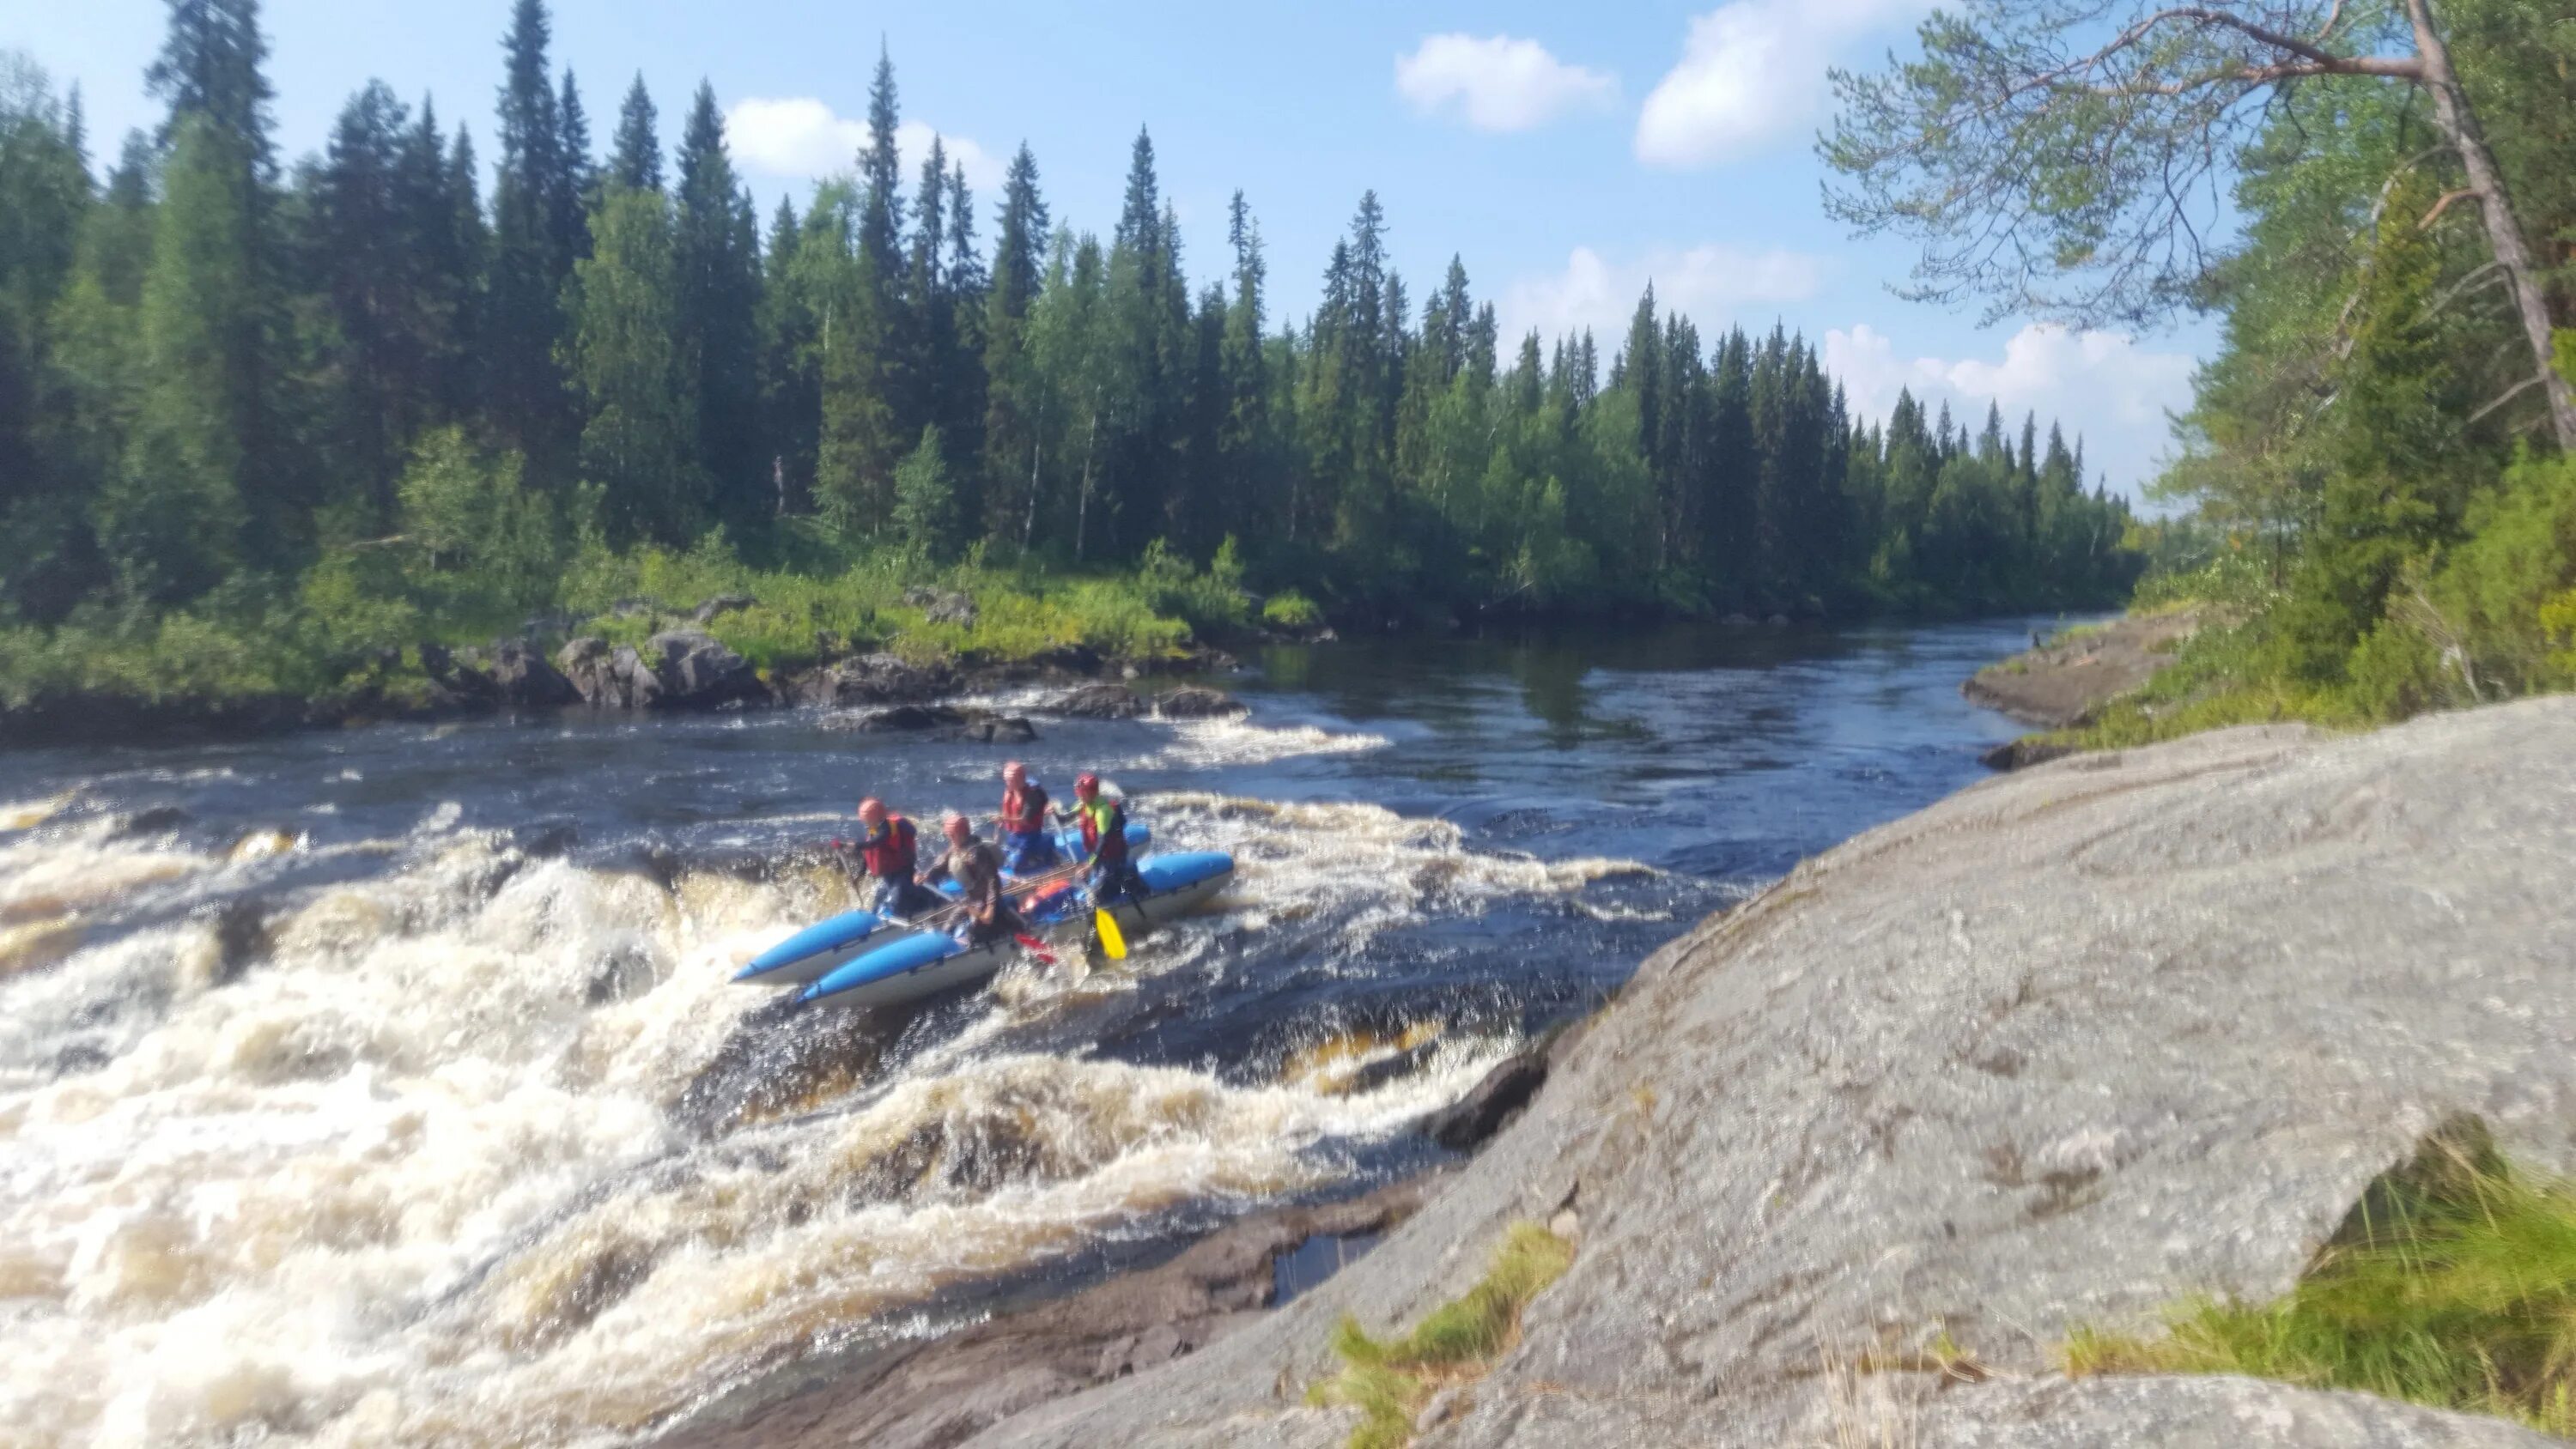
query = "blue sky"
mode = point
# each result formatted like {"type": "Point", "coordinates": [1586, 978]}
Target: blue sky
{"type": "Point", "coordinates": [1567, 158]}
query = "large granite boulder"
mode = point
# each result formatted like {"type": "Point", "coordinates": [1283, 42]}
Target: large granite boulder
{"type": "Point", "coordinates": [2062, 1050]}
{"type": "Point", "coordinates": [1194, 702]}
{"type": "Point", "coordinates": [697, 672]}
{"type": "Point", "coordinates": [522, 678]}
{"type": "Point", "coordinates": [676, 669]}
{"type": "Point", "coordinates": [874, 679]}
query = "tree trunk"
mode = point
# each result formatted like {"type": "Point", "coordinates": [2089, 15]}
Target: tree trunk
{"type": "Point", "coordinates": [2504, 230]}
{"type": "Point", "coordinates": [1082, 505]}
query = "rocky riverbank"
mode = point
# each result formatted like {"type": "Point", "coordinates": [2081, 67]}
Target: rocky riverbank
{"type": "Point", "coordinates": [1850, 1162]}
{"type": "Point", "coordinates": [682, 669]}
{"type": "Point", "coordinates": [2058, 683]}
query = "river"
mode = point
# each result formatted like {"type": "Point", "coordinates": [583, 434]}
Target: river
{"type": "Point", "coordinates": [386, 1087]}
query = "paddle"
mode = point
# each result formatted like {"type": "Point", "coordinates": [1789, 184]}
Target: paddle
{"type": "Point", "coordinates": [1034, 947]}
{"type": "Point", "coordinates": [1112, 940]}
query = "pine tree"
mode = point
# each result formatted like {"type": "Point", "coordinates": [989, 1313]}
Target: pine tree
{"type": "Point", "coordinates": [790, 389]}
{"type": "Point", "coordinates": [717, 253]}
{"type": "Point", "coordinates": [637, 161]}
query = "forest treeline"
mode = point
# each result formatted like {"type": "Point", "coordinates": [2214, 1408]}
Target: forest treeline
{"type": "Point", "coordinates": [364, 395]}
{"type": "Point", "coordinates": [2375, 494]}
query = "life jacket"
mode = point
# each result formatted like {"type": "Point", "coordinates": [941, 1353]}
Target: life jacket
{"type": "Point", "coordinates": [893, 855]}
{"type": "Point", "coordinates": [1104, 830]}
{"type": "Point", "coordinates": [1024, 811]}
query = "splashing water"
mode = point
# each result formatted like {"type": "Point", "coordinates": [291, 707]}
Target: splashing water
{"type": "Point", "coordinates": [337, 1107]}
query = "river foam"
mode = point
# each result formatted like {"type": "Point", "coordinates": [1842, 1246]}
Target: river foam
{"type": "Point", "coordinates": [415, 1174]}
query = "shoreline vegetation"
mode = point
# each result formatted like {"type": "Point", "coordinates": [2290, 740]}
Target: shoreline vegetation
{"type": "Point", "coordinates": [270, 426]}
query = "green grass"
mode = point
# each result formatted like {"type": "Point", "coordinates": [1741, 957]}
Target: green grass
{"type": "Point", "coordinates": [2454, 1286]}
{"type": "Point", "coordinates": [2218, 677]}
{"type": "Point", "coordinates": [1390, 1381]}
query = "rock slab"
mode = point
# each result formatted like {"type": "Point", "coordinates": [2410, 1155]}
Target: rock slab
{"type": "Point", "coordinates": [2058, 1051]}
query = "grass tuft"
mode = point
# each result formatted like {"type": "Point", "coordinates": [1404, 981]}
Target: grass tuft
{"type": "Point", "coordinates": [1389, 1381]}
{"type": "Point", "coordinates": [2453, 1285]}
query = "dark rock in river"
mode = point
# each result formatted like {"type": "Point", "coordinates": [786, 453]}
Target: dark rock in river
{"type": "Point", "coordinates": [931, 1395]}
{"type": "Point", "coordinates": [938, 721]}
{"type": "Point", "coordinates": [1094, 701]}
{"type": "Point", "coordinates": [150, 820]}
{"type": "Point", "coordinates": [874, 679]}
{"type": "Point", "coordinates": [1194, 702]}
{"type": "Point", "coordinates": [2023, 753]}
{"type": "Point", "coordinates": [242, 938]}
{"type": "Point", "coordinates": [1489, 1105]}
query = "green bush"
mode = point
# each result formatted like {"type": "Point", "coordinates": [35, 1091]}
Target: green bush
{"type": "Point", "coordinates": [1291, 610]}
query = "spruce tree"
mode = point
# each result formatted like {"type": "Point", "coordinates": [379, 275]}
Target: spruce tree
{"type": "Point", "coordinates": [790, 392]}
{"type": "Point", "coordinates": [925, 499]}
{"type": "Point", "coordinates": [210, 68]}
{"type": "Point", "coordinates": [1014, 411]}
{"type": "Point", "coordinates": [717, 254]}
{"type": "Point", "coordinates": [636, 162]}
{"type": "Point", "coordinates": [531, 260]}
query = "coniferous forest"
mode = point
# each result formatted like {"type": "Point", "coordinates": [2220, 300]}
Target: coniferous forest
{"type": "Point", "coordinates": [266, 423]}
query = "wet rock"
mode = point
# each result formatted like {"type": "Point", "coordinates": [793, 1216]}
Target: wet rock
{"type": "Point", "coordinates": [622, 974]}
{"type": "Point", "coordinates": [460, 674]}
{"type": "Point", "coordinates": [938, 722]}
{"type": "Point", "coordinates": [1095, 701]}
{"type": "Point", "coordinates": [150, 820]}
{"type": "Point", "coordinates": [941, 606]}
{"type": "Point", "coordinates": [242, 938]}
{"type": "Point", "coordinates": [722, 604]}
{"type": "Point", "coordinates": [874, 679]}
{"type": "Point", "coordinates": [545, 839]}
{"type": "Point", "coordinates": [1490, 1104]}
{"type": "Point", "coordinates": [943, 1392]}
{"type": "Point", "coordinates": [1777, 621]}
{"type": "Point", "coordinates": [2023, 753]}
{"type": "Point", "coordinates": [1736, 621]}
{"type": "Point", "coordinates": [777, 1059]}
{"type": "Point", "coordinates": [999, 730]}
{"type": "Point", "coordinates": [697, 672]}
{"type": "Point", "coordinates": [2241, 976]}
{"type": "Point", "coordinates": [522, 679]}
{"type": "Point", "coordinates": [1195, 702]}
{"type": "Point", "coordinates": [1068, 658]}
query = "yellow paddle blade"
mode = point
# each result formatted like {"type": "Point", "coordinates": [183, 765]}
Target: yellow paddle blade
{"type": "Point", "coordinates": [1112, 940]}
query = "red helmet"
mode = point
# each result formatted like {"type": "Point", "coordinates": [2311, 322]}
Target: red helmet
{"type": "Point", "coordinates": [1086, 785]}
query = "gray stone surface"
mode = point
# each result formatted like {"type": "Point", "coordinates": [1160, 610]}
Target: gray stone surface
{"type": "Point", "coordinates": [2058, 1050]}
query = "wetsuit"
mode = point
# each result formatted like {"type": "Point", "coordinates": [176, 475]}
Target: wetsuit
{"type": "Point", "coordinates": [1028, 846]}
{"type": "Point", "coordinates": [892, 854]}
{"type": "Point", "coordinates": [1104, 844]}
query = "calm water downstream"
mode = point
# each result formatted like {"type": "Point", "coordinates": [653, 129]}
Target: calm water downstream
{"type": "Point", "coordinates": [386, 1087]}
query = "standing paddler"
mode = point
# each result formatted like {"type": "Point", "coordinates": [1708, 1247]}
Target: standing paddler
{"type": "Point", "coordinates": [1028, 845]}
{"type": "Point", "coordinates": [890, 851]}
{"type": "Point", "coordinates": [1104, 843]}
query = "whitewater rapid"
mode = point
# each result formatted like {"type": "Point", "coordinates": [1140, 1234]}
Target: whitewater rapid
{"type": "Point", "coordinates": [398, 1159]}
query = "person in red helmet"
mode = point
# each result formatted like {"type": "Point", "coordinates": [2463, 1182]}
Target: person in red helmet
{"type": "Point", "coordinates": [1028, 846]}
{"type": "Point", "coordinates": [889, 849]}
{"type": "Point", "coordinates": [1104, 843]}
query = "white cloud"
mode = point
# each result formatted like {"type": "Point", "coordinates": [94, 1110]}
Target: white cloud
{"type": "Point", "coordinates": [2101, 385]}
{"type": "Point", "coordinates": [1706, 283]}
{"type": "Point", "coordinates": [801, 136]}
{"type": "Point", "coordinates": [1499, 82]}
{"type": "Point", "coordinates": [1752, 71]}
{"type": "Point", "coordinates": [912, 142]}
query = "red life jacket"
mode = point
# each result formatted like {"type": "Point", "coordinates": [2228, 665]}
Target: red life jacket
{"type": "Point", "coordinates": [1104, 831]}
{"type": "Point", "coordinates": [1024, 811]}
{"type": "Point", "coordinates": [892, 855]}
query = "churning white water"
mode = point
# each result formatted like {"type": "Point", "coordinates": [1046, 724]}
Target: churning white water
{"type": "Point", "coordinates": [412, 1174]}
